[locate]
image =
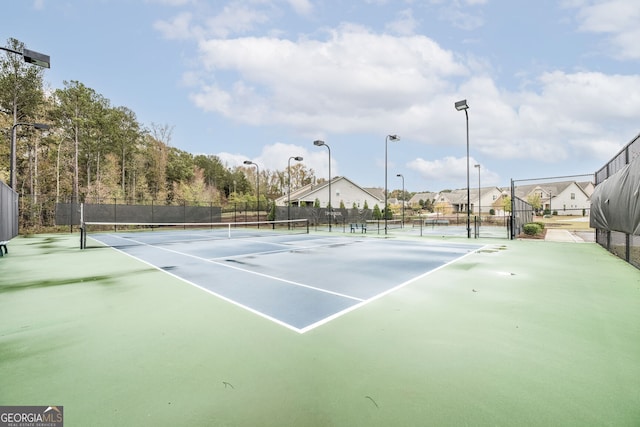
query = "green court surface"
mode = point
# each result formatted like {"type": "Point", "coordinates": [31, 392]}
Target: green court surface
{"type": "Point", "coordinates": [519, 333]}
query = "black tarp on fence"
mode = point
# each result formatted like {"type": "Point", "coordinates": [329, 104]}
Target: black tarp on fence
{"type": "Point", "coordinates": [615, 204]}
{"type": "Point", "coordinates": [8, 213]}
{"type": "Point", "coordinates": [70, 213]}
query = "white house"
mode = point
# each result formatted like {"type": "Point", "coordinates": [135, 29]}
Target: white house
{"type": "Point", "coordinates": [343, 190]}
{"type": "Point", "coordinates": [455, 201]}
{"type": "Point", "coordinates": [565, 198]}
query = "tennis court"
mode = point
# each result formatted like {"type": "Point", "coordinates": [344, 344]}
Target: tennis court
{"type": "Point", "coordinates": [300, 281]}
{"type": "Point", "coordinates": [527, 333]}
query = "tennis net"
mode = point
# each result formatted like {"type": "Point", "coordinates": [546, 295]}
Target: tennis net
{"type": "Point", "coordinates": [119, 234]}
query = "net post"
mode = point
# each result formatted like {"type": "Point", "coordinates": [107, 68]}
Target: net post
{"type": "Point", "coordinates": [229, 230]}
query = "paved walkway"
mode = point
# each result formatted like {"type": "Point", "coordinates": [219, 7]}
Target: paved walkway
{"type": "Point", "coordinates": [554, 235]}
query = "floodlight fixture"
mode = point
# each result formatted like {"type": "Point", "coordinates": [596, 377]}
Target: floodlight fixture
{"type": "Point", "coordinates": [36, 58]}
{"type": "Point", "coordinates": [461, 105]}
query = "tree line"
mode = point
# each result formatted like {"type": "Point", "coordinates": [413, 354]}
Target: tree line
{"type": "Point", "coordinates": [94, 151]}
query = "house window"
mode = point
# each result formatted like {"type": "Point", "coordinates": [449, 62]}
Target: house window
{"type": "Point", "coordinates": [573, 196]}
{"type": "Point", "coordinates": [495, 197]}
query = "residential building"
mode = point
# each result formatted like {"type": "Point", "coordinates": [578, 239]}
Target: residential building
{"type": "Point", "coordinates": [343, 190]}
{"type": "Point", "coordinates": [565, 198]}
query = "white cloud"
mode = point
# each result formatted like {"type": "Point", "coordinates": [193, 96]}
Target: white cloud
{"type": "Point", "coordinates": [452, 169]}
{"type": "Point", "coordinates": [276, 157]}
{"type": "Point", "coordinates": [171, 2]}
{"type": "Point", "coordinates": [404, 24]}
{"type": "Point", "coordinates": [446, 169]}
{"type": "Point", "coordinates": [461, 14]}
{"type": "Point", "coordinates": [354, 79]}
{"type": "Point", "coordinates": [231, 160]}
{"type": "Point", "coordinates": [302, 7]}
{"type": "Point", "coordinates": [180, 27]}
{"type": "Point", "coordinates": [357, 81]}
{"type": "Point", "coordinates": [617, 18]}
{"type": "Point", "coordinates": [235, 18]}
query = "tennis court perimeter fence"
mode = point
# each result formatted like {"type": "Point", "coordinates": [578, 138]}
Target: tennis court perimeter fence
{"type": "Point", "coordinates": [615, 204]}
{"type": "Point", "coordinates": [521, 214]}
{"type": "Point", "coordinates": [77, 213]}
{"type": "Point", "coordinates": [8, 213]}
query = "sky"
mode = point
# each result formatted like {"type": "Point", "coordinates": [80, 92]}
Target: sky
{"type": "Point", "coordinates": [553, 87]}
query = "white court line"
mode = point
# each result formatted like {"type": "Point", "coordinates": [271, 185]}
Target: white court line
{"type": "Point", "coordinates": [233, 267]}
{"type": "Point", "coordinates": [310, 327]}
{"type": "Point", "coordinates": [209, 291]}
{"type": "Point", "coordinates": [380, 295]}
{"type": "Point", "coordinates": [287, 247]}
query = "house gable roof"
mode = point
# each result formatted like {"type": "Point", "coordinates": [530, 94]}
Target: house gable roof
{"type": "Point", "coordinates": [308, 191]}
{"type": "Point", "coordinates": [553, 188]}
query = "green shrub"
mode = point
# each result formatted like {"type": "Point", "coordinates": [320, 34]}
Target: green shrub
{"type": "Point", "coordinates": [531, 229]}
{"type": "Point", "coordinates": [540, 223]}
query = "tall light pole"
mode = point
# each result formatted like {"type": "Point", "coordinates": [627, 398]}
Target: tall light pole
{"type": "Point", "coordinates": [12, 167]}
{"type": "Point", "coordinates": [462, 105]}
{"type": "Point", "coordinates": [297, 159]}
{"type": "Point", "coordinates": [249, 162]}
{"type": "Point", "coordinates": [319, 143]}
{"type": "Point", "coordinates": [402, 176]}
{"type": "Point", "coordinates": [41, 60]}
{"type": "Point", "coordinates": [479, 199]}
{"type": "Point", "coordinates": [386, 140]}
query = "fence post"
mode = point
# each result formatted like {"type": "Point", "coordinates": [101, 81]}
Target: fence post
{"type": "Point", "coordinates": [513, 205]}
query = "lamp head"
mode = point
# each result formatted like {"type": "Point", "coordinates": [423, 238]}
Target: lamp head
{"type": "Point", "coordinates": [41, 126]}
{"type": "Point", "coordinates": [393, 137]}
{"type": "Point", "coordinates": [399, 175]}
{"type": "Point", "coordinates": [319, 143]}
{"type": "Point", "coordinates": [462, 105]}
{"type": "Point", "coordinates": [476, 166]}
{"type": "Point", "coordinates": [248, 162]}
{"type": "Point", "coordinates": [298, 159]}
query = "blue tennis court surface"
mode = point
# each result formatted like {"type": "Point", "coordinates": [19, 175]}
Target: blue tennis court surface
{"type": "Point", "coordinates": [298, 281]}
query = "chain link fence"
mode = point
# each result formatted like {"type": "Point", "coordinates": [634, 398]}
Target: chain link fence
{"type": "Point", "coordinates": [622, 244]}
{"type": "Point", "coordinates": [38, 213]}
